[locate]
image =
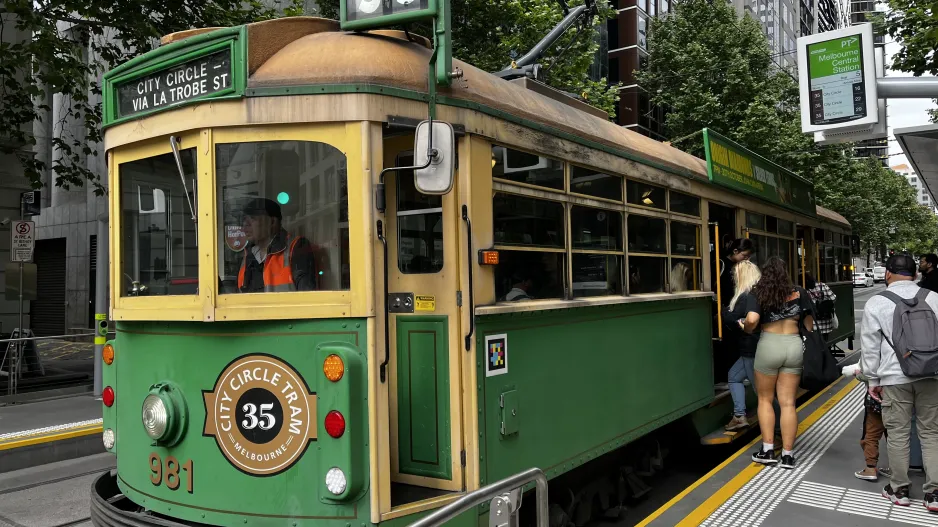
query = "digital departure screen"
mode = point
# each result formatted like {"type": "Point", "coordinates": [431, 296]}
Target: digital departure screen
{"type": "Point", "coordinates": [835, 74]}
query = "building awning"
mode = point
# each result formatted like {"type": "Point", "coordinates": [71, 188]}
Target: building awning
{"type": "Point", "coordinates": [920, 146]}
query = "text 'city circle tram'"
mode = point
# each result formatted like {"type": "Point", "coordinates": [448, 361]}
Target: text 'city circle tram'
{"type": "Point", "coordinates": [334, 310]}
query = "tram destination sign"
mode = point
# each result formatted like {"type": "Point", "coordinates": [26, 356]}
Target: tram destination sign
{"type": "Point", "coordinates": [733, 166]}
{"type": "Point", "coordinates": [186, 81]}
{"type": "Point", "coordinates": [837, 76]}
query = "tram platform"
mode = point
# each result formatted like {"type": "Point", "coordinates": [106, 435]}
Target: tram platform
{"type": "Point", "coordinates": [37, 432]}
{"type": "Point", "coordinates": [820, 491]}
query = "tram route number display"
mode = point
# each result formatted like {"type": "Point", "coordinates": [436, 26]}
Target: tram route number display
{"type": "Point", "coordinates": [184, 82]}
{"type": "Point", "coordinates": [836, 86]}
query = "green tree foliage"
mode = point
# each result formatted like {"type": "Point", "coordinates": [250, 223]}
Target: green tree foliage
{"type": "Point", "coordinates": [713, 69]}
{"type": "Point", "coordinates": [489, 33]}
{"type": "Point", "coordinates": [913, 24]}
{"type": "Point", "coordinates": [71, 43]}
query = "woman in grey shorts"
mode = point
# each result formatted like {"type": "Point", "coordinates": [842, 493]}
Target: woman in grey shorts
{"type": "Point", "coordinates": [779, 356]}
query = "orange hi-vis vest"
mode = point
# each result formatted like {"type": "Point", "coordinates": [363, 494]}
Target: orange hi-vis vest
{"type": "Point", "coordinates": [278, 274]}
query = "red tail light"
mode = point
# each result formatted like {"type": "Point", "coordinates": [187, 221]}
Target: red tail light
{"type": "Point", "coordinates": [335, 424]}
{"type": "Point", "coordinates": [107, 395]}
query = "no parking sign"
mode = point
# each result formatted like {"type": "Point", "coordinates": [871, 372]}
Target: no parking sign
{"type": "Point", "coordinates": [22, 241]}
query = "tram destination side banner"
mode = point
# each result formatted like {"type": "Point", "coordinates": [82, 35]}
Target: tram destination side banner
{"type": "Point", "coordinates": [733, 166]}
{"type": "Point", "coordinates": [203, 76]}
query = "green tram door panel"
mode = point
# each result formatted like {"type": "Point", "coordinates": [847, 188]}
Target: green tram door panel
{"type": "Point", "coordinates": [423, 397]}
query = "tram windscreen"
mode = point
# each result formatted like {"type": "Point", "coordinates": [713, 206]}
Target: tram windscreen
{"type": "Point", "coordinates": [282, 217]}
{"type": "Point", "coordinates": [159, 246]}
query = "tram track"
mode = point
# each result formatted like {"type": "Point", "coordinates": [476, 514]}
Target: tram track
{"type": "Point", "coordinates": [55, 480]}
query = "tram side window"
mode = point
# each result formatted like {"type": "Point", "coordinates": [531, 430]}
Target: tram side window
{"type": "Point", "coordinates": [594, 183]}
{"type": "Point", "coordinates": [684, 204]}
{"type": "Point", "coordinates": [597, 251]}
{"type": "Point", "coordinates": [646, 195]}
{"type": "Point", "coordinates": [686, 268]}
{"type": "Point", "coordinates": [522, 167]}
{"type": "Point", "coordinates": [535, 228]}
{"type": "Point", "coordinates": [647, 237]}
{"type": "Point", "coordinates": [159, 243]}
{"type": "Point", "coordinates": [419, 225]}
{"type": "Point", "coordinates": [282, 217]}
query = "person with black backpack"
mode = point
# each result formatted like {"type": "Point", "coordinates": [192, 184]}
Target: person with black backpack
{"type": "Point", "coordinates": [825, 320]}
{"type": "Point", "coordinates": [899, 341]}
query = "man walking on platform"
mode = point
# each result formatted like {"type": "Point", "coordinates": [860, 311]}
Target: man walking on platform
{"type": "Point", "coordinates": [902, 384]}
{"type": "Point", "coordinates": [928, 266]}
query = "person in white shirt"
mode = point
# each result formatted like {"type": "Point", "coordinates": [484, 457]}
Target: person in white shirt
{"type": "Point", "coordinates": [901, 396]}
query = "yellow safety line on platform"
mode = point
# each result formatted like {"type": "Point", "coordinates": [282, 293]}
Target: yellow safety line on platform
{"type": "Point", "coordinates": [705, 509]}
{"type": "Point", "coordinates": [59, 436]}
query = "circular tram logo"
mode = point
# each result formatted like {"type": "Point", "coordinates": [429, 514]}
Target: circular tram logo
{"type": "Point", "coordinates": [261, 414]}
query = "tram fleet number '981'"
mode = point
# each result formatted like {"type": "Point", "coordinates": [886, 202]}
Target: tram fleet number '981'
{"type": "Point", "coordinates": [168, 472]}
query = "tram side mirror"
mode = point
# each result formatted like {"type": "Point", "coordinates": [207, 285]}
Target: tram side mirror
{"type": "Point", "coordinates": [437, 177]}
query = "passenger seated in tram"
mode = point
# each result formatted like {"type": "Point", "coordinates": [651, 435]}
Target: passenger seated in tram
{"type": "Point", "coordinates": [522, 284]}
{"type": "Point", "coordinates": [274, 260]}
{"type": "Point", "coordinates": [680, 278]}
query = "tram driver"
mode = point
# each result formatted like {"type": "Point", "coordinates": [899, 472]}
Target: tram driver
{"type": "Point", "coordinates": [274, 260]}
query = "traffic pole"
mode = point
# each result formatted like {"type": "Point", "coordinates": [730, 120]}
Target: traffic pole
{"type": "Point", "coordinates": [15, 371]}
{"type": "Point", "coordinates": [100, 300]}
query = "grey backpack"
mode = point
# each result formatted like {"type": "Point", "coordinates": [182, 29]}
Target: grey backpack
{"type": "Point", "coordinates": [914, 334]}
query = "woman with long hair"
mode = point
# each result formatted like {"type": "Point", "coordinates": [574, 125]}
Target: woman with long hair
{"type": "Point", "coordinates": [745, 274]}
{"type": "Point", "coordinates": [738, 250]}
{"type": "Point", "coordinates": [783, 310]}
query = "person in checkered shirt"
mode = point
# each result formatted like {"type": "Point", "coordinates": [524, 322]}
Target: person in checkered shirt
{"type": "Point", "coordinates": [824, 301]}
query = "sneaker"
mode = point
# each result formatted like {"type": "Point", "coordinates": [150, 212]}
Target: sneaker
{"type": "Point", "coordinates": [931, 501]}
{"type": "Point", "coordinates": [738, 422]}
{"type": "Point", "coordinates": [900, 496]}
{"type": "Point", "coordinates": [885, 471]}
{"type": "Point", "coordinates": [766, 458]}
{"type": "Point", "coordinates": [787, 462]}
{"type": "Point", "coordinates": [867, 474]}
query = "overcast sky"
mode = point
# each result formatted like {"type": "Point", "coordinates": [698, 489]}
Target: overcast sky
{"type": "Point", "coordinates": [902, 113]}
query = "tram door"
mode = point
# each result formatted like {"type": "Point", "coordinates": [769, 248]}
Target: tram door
{"type": "Point", "coordinates": [423, 270]}
{"type": "Point", "coordinates": [722, 232]}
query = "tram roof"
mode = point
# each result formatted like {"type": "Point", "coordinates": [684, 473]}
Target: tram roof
{"type": "Point", "coordinates": [308, 51]}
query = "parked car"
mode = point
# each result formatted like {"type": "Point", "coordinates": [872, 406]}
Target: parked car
{"type": "Point", "coordinates": [879, 274]}
{"type": "Point", "coordinates": [862, 280]}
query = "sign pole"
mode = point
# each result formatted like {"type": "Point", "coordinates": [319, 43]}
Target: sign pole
{"type": "Point", "coordinates": [15, 371]}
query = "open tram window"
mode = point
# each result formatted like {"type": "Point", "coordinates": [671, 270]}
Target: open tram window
{"type": "Point", "coordinates": [646, 195]}
{"type": "Point", "coordinates": [159, 242]}
{"type": "Point", "coordinates": [282, 217]}
{"type": "Point", "coordinates": [529, 275]}
{"type": "Point", "coordinates": [419, 225]}
{"type": "Point", "coordinates": [594, 183]}
{"type": "Point", "coordinates": [522, 167]}
{"type": "Point", "coordinates": [647, 274]}
{"type": "Point", "coordinates": [685, 275]}
{"type": "Point", "coordinates": [684, 204]}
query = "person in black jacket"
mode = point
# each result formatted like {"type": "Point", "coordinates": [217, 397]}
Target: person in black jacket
{"type": "Point", "coordinates": [746, 274]}
{"type": "Point", "coordinates": [741, 249]}
{"type": "Point", "coordinates": [928, 266]}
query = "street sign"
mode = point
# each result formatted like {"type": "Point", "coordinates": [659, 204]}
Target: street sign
{"type": "Point", "coordinates": [22, 241]}
{"type": "Point", "coordinates": [837, 78]}
{"type": "Point", "coordinates": [875, 131]}
{"type": "Point", "coordinates": [371, 14]}
{"type": "Point", "coordinates": [30, 202]}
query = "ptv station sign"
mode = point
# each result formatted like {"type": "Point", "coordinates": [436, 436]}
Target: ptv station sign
{"type": "Point", "coordinates": [837, 80]}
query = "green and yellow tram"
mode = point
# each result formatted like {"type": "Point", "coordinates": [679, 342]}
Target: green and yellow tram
{"type": "Point", "coordinates": [288, 354]}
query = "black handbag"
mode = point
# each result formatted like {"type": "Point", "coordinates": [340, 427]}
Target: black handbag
{"type": "Point", "coordinates": [820, 366]}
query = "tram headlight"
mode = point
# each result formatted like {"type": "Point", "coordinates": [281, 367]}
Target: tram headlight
{"type": "Point", "coordinates": [335, 481]}
{"type": "Point", "coordinates": [108, 439]}
{"type": "Point", "coordinates": [155, 416]}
